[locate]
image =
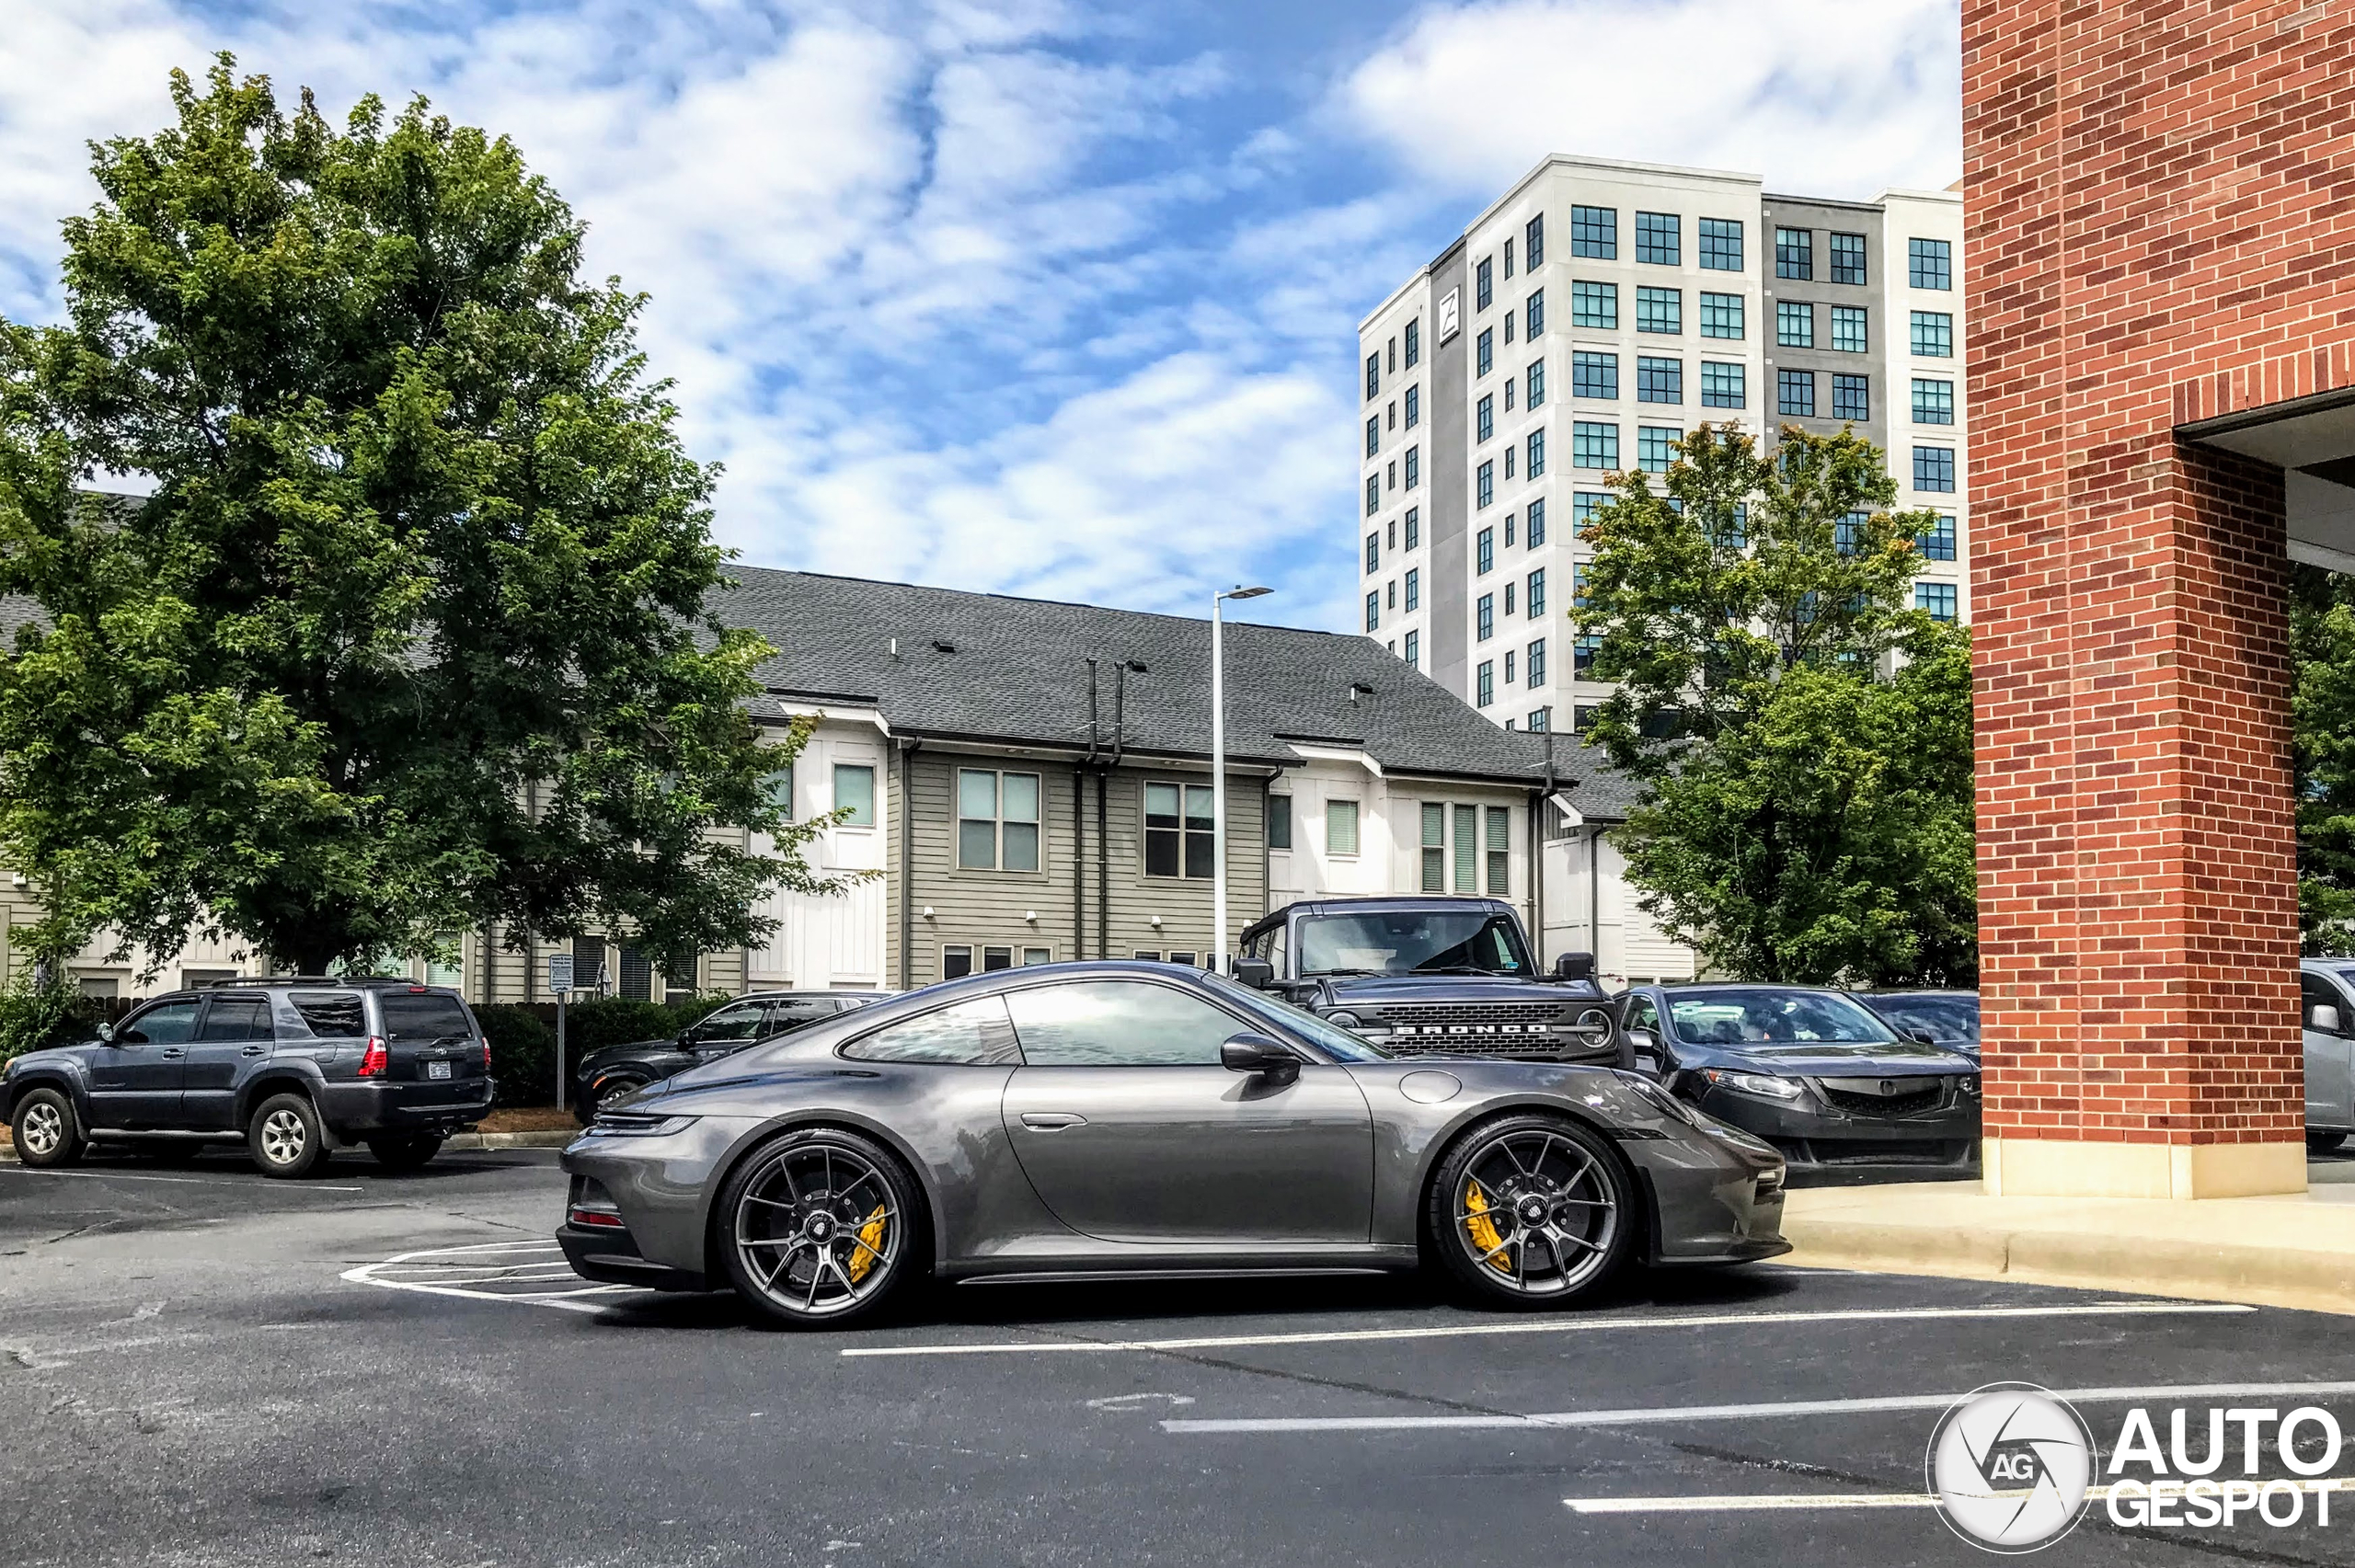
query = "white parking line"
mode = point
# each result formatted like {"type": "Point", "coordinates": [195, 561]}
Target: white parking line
{"type": "Point", "coordinates": [183, 1181]}
{"type": "Point", "coordinates": [1483, 1330]}
{"type": "Point", "coordinates": [471, 1272]}
{"type": "Point", "coordinates": [1656, 1414]}
{"type": "Point", "coordinates": [1741, 1503]}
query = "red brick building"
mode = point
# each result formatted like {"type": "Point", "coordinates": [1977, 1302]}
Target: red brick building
{"type": "Point", "coordinates": [2160, 245]}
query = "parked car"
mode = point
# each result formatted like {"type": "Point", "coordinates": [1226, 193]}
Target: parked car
{"type": "Point", "coordinates": [972, 1129]}
{"type": "Point", "coordinates": [612, 1074]}
{"type": "Point", "coordinates": [1429, 976]}
{"type": "Point", "coordinates": [1948, 1018]}
{"type": "Point", "coordinates": [2326, 1016]}
{"type": "Point", "coordinates": [1824, 1078]}
{"type": "Point", "coordinates": [291, 1067]}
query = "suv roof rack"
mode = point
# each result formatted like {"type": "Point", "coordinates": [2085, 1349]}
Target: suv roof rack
{"type": "Point", "coordinates": [238, 980]}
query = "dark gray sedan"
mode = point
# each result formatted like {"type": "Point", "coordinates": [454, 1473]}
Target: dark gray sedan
{"type": "Point", "coordinates": [1091, 1119]}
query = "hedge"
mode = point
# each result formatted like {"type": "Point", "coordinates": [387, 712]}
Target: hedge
{"type": "Point", "coordinates": [522, 1038]}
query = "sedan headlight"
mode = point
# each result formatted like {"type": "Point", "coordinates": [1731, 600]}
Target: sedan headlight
{"type": "Point", "coordinates": [634, 1124]}
{"type": "Point", "coordinates": [1772, 1088]}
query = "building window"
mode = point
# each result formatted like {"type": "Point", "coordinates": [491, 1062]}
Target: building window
{"type": "Point", "coordinates": [1594, 231]}
{"type": "Point", "coordinates": [1659, 381]}
{"type": "Point", "coordinates": [1341, 827]}
{"type": "Point", "coordinates": [1509, 463]}
{"type": "Point", "coordinates": [1414, 407]}
{"type": "Point", "coordinates": [1595, 305]}
{"type": "Point", "coordinates": [1484, 616]}
{"type": "Point", "coordinates": [1374, 435]}
{"type": "Point", "coordinates": [1848, 533]}
{"type": "Point", "coordinates": [1847, 258]}
{"type": "Point", "coordinates": [1655, 447]}
{"type": "Point", "coordinates": [1937, 540]}
{"type": "Point", "coordinates": [1540, 720]}
{"type": "Point", "coordinates": [1434, 846]}
{"type": "Point", "coordinates": [956, 963]}
{"type": "Point", "coordinates": [1536, 315]}
{"type": "Point", "coordinates": [1737, 535]}
{"type": "Point", "coordinates": [1848, 334]}
{"type": "Point", "coordinates": [1533, 240]}
{"type": "Point", "coordinates": [1721, 244]}
{"type": "Point", "coordinates": [1852, 397]}
{"type": "Point", "coordinates": [1536, 594]}
{"type": "Point", "coordinates": [1722, 385]}
{"type": "Point", "coordinates": [1483, 285]}
{"type": "Point", "coordinates": [1934, 468]}
{"type": "Point", "coordinates": [1536, 523]}
{"type": "Point", "coordinates": [1393, 473]}
{"type": "Point", "coordinates": [1508, 259]}
{"type": "Point", "coordinates": [1175, 844]}
{"type": "Point", "coordinates": [778, 788]}
{"type": "Point", "coordinates": [1929, 263]}
{"type": "Point", "coordinates": [1794, 325]}
{"type": "Point", "coordinates": [1934, 333]}
{"type": "Point", "coordinates": [1933, 401]}
{"type": "Point", "coordinates": [1536, 663]}
{"type": "Point", "coordinates": [1794, 393]}
{"type": "Point", "coordinates": [1510, 384]}
{"type": "Point", "coordinates": [1594, 444]}
{"type": "Point", "coordinates": [1374, 611]}
{"type": "Point", "coordinates": [1414, 650]}
{"type": "Point", "coordinates": [1279, 821]}
{"type": "Point", "coordinates": [1483, 350]}
{"type": "Point", "coordinates": [1484, 551]}
{"type": "Point", "coordinates": [1483, 483]}
{"type": "Point", "coordinates": [1577, 587]}
{"type": "Point", "coordinates": [997, 820]}
{"type": "Point", "coordinates": [1373, 375]}
{"type": "Point", "coordinates": [1486, 688]}
{"type": "Point", "coordinates": [1657, 240]}
{"type": "Point", "coordinates": [1414, 589]}
{"type": "Point", "coordinates": [1938, 597]}
{"type": "Point", "coordinates": [1374, 553]}
{"type": "Point", "coordinates": [1484, 417]}
{"type": "Point", "coordinates": [855, 794]}
{"type": "Point", "coordinates": [1499, 844]}
{"type": "Point", "coordinates": [1509, 653]}
{"type": "Point", "coordinates": [1721, 315]}
{"type": "Point", "coordinates": [1537, 383]}
{"type": "Point", "coordinates": [1536, 464]}
{"type": "Point", "coordinates": [1414, 527]}
{"type": "Point", "coordinates": [1659, 310]}
{"type": "Point", "coordinates": [1795, 253]}
{"type": "Point", "coordinates": [1582, 653]}
{"type": "Point", "coordinates": [1593, 374]}
{"type": "Point", "coordinates": [1414, 343]}
{"type": "Point", "coordinates": [1372, 494]}
{"type": "Point", "coordinates": [1390, 594]}
{"type": "Point", "coordinates": [1414, 466]}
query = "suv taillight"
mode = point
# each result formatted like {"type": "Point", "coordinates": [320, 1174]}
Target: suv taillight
{"type": "Point", "coordinates": [372, 1063]}
{"type": "Point", "coordinates": [486, 1053]}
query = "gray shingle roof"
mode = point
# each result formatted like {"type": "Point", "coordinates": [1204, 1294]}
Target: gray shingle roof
{"type": "Point", "coordinates": [1018, 674]}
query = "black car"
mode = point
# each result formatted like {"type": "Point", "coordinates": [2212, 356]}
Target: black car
{"type": "Point", "coordinates": [1429, 976]}
{"type": "Point", "coordinates": [292, 1067]}
{"type": "Point", "coordinates": [1948, 1018]}
{"type": "Point", "coordinates": [611, 1072]}
{"type": "Point", "coordinates": [1822, 1077]}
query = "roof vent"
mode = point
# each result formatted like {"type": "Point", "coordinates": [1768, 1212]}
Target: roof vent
{"type": "Point", "coordinates": [1136, 667]}
{"type": "Point", "coordinates": [1358, 688]}
{"type": "Point", "coordinates": [938, 645]}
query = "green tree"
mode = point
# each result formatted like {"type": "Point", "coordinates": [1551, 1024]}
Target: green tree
{"type": "Point", "coordinates": [1802, 737]}
{"type": "Point", "coordinates": [2322, 745]}
{"type": "Point", "coordinates": [410, 632]}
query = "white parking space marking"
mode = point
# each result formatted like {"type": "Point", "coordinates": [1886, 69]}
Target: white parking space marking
{"type": "Point", "coordinates": [525, 1274]}
{"type": "Point", "coordinates": [1584, 1325]}
{"type": "Point", "coordinates": [183, 1181]}
{"type": "Point", "coordinates": [1657, 1415]}
{"type": "Point", "coordinates": [1739, 1503]}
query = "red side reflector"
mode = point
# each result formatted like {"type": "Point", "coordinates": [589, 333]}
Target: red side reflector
{"type": "Point", "coordinates": [372, 1063]}
{"type": "Point", "coordinates": [595, 1217]}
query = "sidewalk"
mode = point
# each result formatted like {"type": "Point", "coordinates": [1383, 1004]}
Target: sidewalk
{"type": "Point", "coordinates": [2275, 1252]}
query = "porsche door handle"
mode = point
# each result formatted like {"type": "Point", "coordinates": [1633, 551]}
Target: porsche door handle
{"type": "Point", "coordinates": [1050, 1121]}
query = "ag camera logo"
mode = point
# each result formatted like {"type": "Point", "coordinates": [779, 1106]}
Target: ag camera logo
{"type": "Point", "coordinates": [2010, 1464]}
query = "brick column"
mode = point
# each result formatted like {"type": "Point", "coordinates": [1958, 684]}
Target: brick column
{"type": "Point", "coordinates": [2134, 235]}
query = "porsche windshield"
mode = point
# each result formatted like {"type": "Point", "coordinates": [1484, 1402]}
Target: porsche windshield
{"type": "Point", "coordinates": [1412, 941]}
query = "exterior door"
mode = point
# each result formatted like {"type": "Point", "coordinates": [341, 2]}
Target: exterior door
{"type": "Point", "coordinates": [233, 1036]}
{"type": "Point", "coordinates": [1130, 1130]}
{"type": "Point", "coordinates": [2330, 1054]}
{"type": "Point", "coordinates": [135, 1082]}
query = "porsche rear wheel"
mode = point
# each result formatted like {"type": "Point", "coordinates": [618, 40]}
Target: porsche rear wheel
{"type": "Point", "coordinates": [821, 1226]}
{"type": "Point", "coordinates": [1533, 1211]}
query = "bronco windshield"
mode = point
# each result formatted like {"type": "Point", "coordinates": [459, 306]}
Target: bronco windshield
{"type": "Point", "coordinates": [1412, 941]}
{"type": "Point", "coordinates": [1734, 1017]}
{"type": "Point", "coordinates": [1330, 1038]}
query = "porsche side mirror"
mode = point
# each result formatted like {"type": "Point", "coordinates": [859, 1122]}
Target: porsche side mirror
{"type": "Point", "coordinates": [1257, 973]}
{"type": "Point", "coordinates": [1574, 966]}
{"type": "Point", "coordinates": [1258, 1055]}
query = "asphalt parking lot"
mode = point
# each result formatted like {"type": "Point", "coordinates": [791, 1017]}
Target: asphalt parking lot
{"type": "Point", "coordinates": [198, 1366]}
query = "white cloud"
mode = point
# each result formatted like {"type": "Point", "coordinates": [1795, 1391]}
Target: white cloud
{"type": "Point", "coordinates": [1825, 97]}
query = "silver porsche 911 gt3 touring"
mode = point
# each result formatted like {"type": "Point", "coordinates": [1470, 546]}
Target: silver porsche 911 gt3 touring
{"type": "Point", "coordinates": [1072, 1120]}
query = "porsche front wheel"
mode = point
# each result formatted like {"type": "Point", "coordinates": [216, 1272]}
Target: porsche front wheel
{"type": "Point", "coordinates": [821, 1228]}
{"type": "Point", "coordinates": [1533, 1211]}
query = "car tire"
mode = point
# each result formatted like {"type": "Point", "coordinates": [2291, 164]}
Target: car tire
{"type": "Point", "coordinates": [2324, 1142]}
{"type": "Point", "coordinates": [284, 1137]}
{"type": "Point", "coordinates": [1533, 1211]}
{"type": "Point", "coordinates": [408, 1153]}
{"type": "Point", "coordinates": [46, 1133]}
{"type": "Point", "coordinates": [612, 1087]}
{"type": "Point", "coordinates": [821, 1228]}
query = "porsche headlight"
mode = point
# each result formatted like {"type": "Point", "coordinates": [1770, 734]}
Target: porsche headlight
{"type": "Point", "coordinates": [1659, 1099]}
{"type": "Point", "coordinates": [629, 1124]}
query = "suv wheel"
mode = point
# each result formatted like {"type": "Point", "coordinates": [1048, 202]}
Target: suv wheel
{"type": "Point", "coordinates": [606, 1092]}
{"type": "Point", "coordinates": [44, 1130]}
{"type": "Point", "coordinates": [405, 1152]}
{"type": "Point", "coordinates": [284, 1137]}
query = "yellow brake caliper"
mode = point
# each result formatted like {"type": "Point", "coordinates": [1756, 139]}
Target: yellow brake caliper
{"type": "Point", "coordinates": [870, 1247]}
{"type": "Point", "coordinates": [1485, 1234]}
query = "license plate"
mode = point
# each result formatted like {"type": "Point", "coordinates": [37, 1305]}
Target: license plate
{"type": "Point", "coordinates": [437, 1069]}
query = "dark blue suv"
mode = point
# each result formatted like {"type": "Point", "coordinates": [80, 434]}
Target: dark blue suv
{"type": "Point", "coordinates": [290, 1068]}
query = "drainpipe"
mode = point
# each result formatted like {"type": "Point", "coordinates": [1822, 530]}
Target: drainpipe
{"type": "Point", "coordinates": [906, 749]}
{"type": "Point", "coordinates": [1079, 827]}
{"type": "Point", "coordinates": [1595, 894]}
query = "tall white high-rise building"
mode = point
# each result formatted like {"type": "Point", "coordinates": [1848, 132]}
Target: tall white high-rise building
{"type": "Point", "coordinates": [1587, 319]}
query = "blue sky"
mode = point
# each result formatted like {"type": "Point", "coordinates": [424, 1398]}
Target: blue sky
{"type": "Point", "coordinates": [1040, 296]}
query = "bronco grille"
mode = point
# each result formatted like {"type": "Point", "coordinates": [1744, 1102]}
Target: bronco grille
{"type": "Point", "coordinates": [1534, 1047]}
{"type": "Point", "coordinates": [1486, 1017]}
{"type": "Point", "coordinates": [1912, 1102]}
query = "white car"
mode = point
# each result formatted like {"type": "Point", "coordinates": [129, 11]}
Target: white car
{"type": "Point", "coordinates": [2327, 1010]}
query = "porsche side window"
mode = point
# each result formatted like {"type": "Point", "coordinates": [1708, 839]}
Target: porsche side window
{"type": "Point", "coordinates": [1117, 1023]}
{"type": "Point", "coordinates": [974, 1033]}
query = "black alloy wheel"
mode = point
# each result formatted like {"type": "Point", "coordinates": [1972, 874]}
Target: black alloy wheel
{"type": "Point", "coordinates": [822, 1228]}
{"type": "Point", "coordinates": [1533, 1211]}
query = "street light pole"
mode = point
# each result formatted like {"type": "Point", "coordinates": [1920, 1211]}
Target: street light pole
{"type": "Point", "coordinates": [1218, 961]}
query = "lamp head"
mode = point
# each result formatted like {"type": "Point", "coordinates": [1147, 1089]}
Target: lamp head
{"type": "Point", "coordinates": [1240, 592]}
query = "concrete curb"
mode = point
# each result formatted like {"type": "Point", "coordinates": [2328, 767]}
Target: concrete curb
{"type": "Point", "coordinates": [467, 1142]}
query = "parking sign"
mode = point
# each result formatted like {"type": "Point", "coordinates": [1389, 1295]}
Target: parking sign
{"type": "Point", "coordinates": [559, 971]}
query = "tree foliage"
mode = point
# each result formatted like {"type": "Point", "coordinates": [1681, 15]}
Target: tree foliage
{"type": "Point", "coordinates": [410, 633]}
{"type": "Point", "coordinates": [2322, 745]}
{"type": "Point", "coordinates": [1801, 735]}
